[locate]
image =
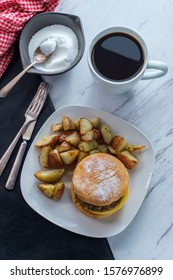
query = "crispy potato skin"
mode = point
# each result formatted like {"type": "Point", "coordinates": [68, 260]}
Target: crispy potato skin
{"type": "Point", "coordinates": [53, 191]}
{"type": "Point", "coordinates": [44, 156]}
{"type": "Point", "coordinates": [128, 159]}
{"type": "Point", "coordinates": [49, 175]}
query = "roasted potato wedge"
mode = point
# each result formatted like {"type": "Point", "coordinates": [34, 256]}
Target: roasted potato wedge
{"type": "Point", "coordinates": [85, 125]}
{"type": "Point", "coordinates": [50, 175]}
{"type": "Point", "coordinates": [94, 152]}
{"type": "Point", "coordinates": [63, 135]}
{"type": "Point", "coordinates": [73, 138]}
{"type": "Point", "coordinates": [53, 191]}
{"type": "Point", "coordinates": [88, 136]}
{"type": "Point", "coordinates": [118, 143]}
{"type": "Point", "coordinates": [81, 155]}
{"type": "Point", "coordinates": [111, 150]}
{"type": "Point", "coordinates": [77, 124]}
{"type": "Point", "coordinates": [86, 146]}
{"type": "Point", "coordinates": [97, 134]}
{"type": "Point", "coordinates": [67, 123]}
{"type": "Point", "coordinates": [128, 159]}
{"type": "Point", "coordinates": [44, 156]}
{"type": "Point", "coordinates": [54, 159]}
{"type": "Point", "coordinates": [106, 133]}
{"type": "Point", "coordinates": [95, 122]}
{"type": "Point", "coordinates": [64, 147]}
{"type": "Point", "coordinates": [56, 127]}
{"type": "Point", "coordinates": [69, 156]}
{"type": "Point", "coordinates": [49, 140]}
{"type": "Point", "coordinates": [103, 148]}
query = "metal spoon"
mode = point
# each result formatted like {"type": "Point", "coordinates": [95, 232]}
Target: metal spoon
{"type": "Point", "coordinates": [41, 55]}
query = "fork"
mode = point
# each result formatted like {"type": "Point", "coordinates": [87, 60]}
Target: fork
{"type": "Point", "coordinates": [31, 114]}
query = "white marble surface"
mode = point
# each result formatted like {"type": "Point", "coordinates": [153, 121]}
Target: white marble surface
{"type": "Point", "coordinates": [148, 107]}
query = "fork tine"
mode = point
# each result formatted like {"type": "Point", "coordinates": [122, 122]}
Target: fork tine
{"type": "Point", "coordinates": [37, 104]}
{"type": "Point", "coordinates": [41, 91]}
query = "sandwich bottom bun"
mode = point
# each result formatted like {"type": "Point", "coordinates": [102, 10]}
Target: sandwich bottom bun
{"type": "Point", "coordinates": [100, 185]}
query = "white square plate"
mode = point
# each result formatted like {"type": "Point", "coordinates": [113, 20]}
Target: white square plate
{"type": "Point", "coordinates": [63, 213]}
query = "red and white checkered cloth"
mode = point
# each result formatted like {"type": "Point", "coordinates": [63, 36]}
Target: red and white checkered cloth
{"type": "Point", "coordinates": [13, 16]}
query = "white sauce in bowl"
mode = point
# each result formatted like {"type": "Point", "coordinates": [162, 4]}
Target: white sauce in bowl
{"type": "Point", "coordinates": [66, 47]}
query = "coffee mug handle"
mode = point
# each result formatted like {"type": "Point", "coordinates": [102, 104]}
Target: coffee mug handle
{"type": "Point", "coordinates": [160, 70]}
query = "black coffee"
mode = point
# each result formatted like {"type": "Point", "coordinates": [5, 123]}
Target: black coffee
{"type": "Point", "coordinates": [117, 56]}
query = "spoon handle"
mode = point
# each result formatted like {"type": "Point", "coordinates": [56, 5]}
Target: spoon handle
{"type": "Point", "coordinates": [5, 90]}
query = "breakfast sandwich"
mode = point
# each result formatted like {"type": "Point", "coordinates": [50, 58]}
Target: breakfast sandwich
{"type": "Point", "coordinates": [100, 185]}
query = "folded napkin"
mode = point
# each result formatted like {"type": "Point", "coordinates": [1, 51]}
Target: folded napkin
{"type": "Point", "coordinates": [13, 16]}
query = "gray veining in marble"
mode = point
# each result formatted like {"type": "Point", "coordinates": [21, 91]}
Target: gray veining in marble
{"type": "Point", "coordinates": [148, 107]}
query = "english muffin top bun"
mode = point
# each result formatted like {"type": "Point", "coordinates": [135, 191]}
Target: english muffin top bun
{"type": "Point", "coordinates": [100, 185]}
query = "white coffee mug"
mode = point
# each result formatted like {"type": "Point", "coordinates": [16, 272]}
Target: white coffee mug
{"type": "Point", "coordinates": [119, 86]}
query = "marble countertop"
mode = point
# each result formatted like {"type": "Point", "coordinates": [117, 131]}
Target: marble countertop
{"type": "Point", "coordinates": [148, 107]}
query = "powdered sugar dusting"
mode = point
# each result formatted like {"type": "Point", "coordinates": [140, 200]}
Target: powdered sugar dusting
{"type": "Point", "coordinates": [100, 168]}
{"type": "Point", "coordinates": [106, 188]}
{"type": "Point", "coordinates": [100, 179]}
